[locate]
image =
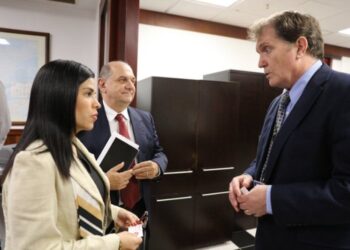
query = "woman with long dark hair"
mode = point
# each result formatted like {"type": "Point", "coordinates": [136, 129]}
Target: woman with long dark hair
{"type": "Point", "coordinates": [55, 196]}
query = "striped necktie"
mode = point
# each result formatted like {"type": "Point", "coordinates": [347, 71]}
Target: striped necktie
{"type": "Point", "coordinates": [281, 112]}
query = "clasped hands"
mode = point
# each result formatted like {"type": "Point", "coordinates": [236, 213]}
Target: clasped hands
{"type": "Point", "coordinates": [253, 202]}
{"type": "Point", "coordinates": [141, 171]}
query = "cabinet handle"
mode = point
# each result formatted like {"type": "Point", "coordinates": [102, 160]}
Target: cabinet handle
{"type": "Point", "coordinates": [213, 194]}
{"type": "Point", "coordinates": [217, 169]}
{"type": "Point", "coordinates": [175, 199]}
{"type": "Point", "coordinates": [179, 172]}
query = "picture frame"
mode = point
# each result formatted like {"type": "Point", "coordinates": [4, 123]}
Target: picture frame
{"type": "Point", "coordinates": [22, 54]}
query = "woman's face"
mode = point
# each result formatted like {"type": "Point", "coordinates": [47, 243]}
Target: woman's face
{"type": "Point", "coordinates": [87, 105]}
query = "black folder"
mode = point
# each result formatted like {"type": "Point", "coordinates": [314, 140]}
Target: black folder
{"type": "Point", "coordinates": [118, 149]}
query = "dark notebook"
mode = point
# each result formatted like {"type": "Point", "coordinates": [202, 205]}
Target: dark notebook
{"type": "Point", "coordinates": [118, 149]}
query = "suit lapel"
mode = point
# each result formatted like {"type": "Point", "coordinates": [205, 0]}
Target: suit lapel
{"type": "Point", "coordinates": [137, 126]}
{"type": "Point", "coordinates": [300, 110]}
{"type": "Point", "coordinates": [264, 139]}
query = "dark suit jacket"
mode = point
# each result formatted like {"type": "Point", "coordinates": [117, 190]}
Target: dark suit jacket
{"type": "Point", "coordinates": [145, 136]}
{"type": "Point", "coordinates": [309, 169]}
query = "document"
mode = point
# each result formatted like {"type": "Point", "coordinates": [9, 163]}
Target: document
{"type": "Point", "coordinates": [118, 149]}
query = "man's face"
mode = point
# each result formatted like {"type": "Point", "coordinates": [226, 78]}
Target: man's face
{"type": "Point", "coordinates": [119, 88]}
{"type": "Point", "coordinates": [278, 58]}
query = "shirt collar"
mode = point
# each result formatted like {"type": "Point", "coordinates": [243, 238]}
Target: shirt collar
{"type": "Point", "coordinates": [111, 113]}
{"type": "Point", "coordinates": [299, 86]}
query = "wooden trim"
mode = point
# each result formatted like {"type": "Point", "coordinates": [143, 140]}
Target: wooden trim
{"type": "Point", "coordinates": [336, 52]}
{"type": "Point", "coordinates": [191, 24]}
{"type": "Point", "coordinates": [13, 136]}
{"type": "Point", "coordinates": [196, 25]}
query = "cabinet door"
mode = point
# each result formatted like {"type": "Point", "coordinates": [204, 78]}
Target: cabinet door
{"type": "Point", "coordinates": [214, 220]}
{"type": "Point", "coordinates": [217, 124]}
{"type": "Point", "coordinates": [172, 223]}
{"type": "Point", "coordinates": [255, 98]}
{"type": "Point", "coordinates": [173, 104]}
{"type": "Point", "coordinates": [217, 154]}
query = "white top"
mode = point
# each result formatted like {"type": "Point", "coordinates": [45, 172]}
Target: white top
{"type": "Point", "coordinates": [113, 124]}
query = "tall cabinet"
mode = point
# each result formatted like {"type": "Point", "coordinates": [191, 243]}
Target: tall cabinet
{"type": "Point", "coordinates": [255, 97]}
{"type": "Point", "coordinates": [197, 123]}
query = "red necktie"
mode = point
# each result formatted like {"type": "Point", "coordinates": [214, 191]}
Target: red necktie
{"type": "Point", "coordinates": [131, 194]}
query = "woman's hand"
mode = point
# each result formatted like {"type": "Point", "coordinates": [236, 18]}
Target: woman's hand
{"type": "Point", "coordinates": [129, 241]}
{"type": "Point", "coordinates": [126, 219]}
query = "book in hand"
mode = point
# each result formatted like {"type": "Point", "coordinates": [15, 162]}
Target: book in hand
{"type": "Point", "coordinates": [117, 149]}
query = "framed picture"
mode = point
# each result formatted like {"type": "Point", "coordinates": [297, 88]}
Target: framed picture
{"type": "Point", "coordinates": [22, 54]}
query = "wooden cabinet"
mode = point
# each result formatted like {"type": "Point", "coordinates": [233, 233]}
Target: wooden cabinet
{"type": "Point", "coordinates": [255, 96]}
{"type": "Point", "coordinates": [209, 130]}
{"type": "Point", "coordinates": [197, 123]}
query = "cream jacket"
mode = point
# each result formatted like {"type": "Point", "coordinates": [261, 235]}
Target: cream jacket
{"type": "Point", "coordinates": [39, 205]}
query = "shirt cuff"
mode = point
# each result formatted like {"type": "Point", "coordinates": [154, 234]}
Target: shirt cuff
{"type": "Point", "coordinates": [268, 200]}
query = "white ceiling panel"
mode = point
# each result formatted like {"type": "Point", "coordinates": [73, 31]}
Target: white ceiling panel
{"type": "Point", "coordinates": [236, 18]}
{"type": "Point", "coordinates": [158, 5]}
{"type": "Point", "coordinates": [318, 10]}
{"type": "Point", "coordinates": [337, 39]}
{"type": "Point", "coordinates": [336, 23]}
{"type": "Point", "coordinates": [332, 14]}
{"type": "Point", "coordinates": [267, 7]}
{"type": "Point", "coordinates": [344, 4]}
{"type": "Point", "coordinates": [195, 10]}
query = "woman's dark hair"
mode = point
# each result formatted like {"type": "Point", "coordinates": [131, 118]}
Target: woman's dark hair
{"type": "Point", "coordinates": [51, 115]}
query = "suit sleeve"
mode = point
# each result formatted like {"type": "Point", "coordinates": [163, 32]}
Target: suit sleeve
{"type": "Point", "coordinates": [158, 154]}
{"type": "Point", "coordinates": [32, 209]}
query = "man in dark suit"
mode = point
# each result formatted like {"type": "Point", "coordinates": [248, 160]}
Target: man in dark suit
{"type": "Point", "coordinates": [299, 184]}
{"type": "Point", "coordinates": [117, 88]}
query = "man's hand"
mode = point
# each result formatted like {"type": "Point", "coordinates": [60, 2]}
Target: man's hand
{"type": "Point", "coordinates": [119, 180]}
{"type": "Point", "coordinates": [254, 202]}
{"type": "Point", "coordinates": [235, 186]}
{"type": "Point", "coordinates": [146, 170]}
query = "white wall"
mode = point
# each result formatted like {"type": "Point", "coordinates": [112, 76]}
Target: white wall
{"type": "Point", "coordinates": [185, 54]}
{"type": "Point", "coordinates": [74, 32]}
{"type": "Point", "coordinates": [342, 65]}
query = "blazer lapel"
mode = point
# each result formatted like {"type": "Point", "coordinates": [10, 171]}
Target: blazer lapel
{"type": "Point", "coordinates": [302, 107]}
{"type": "Point", "coordinates": [80, 174]}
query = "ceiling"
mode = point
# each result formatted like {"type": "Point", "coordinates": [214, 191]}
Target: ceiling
{"type": "Point", "coordinates": [333, 15]}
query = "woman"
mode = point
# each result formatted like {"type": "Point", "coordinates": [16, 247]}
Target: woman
{"type": "Point", "coordinates": [55, 196]}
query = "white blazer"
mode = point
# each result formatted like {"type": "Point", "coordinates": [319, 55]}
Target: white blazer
{"type": "Point", "coordinates": [39, 205]}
